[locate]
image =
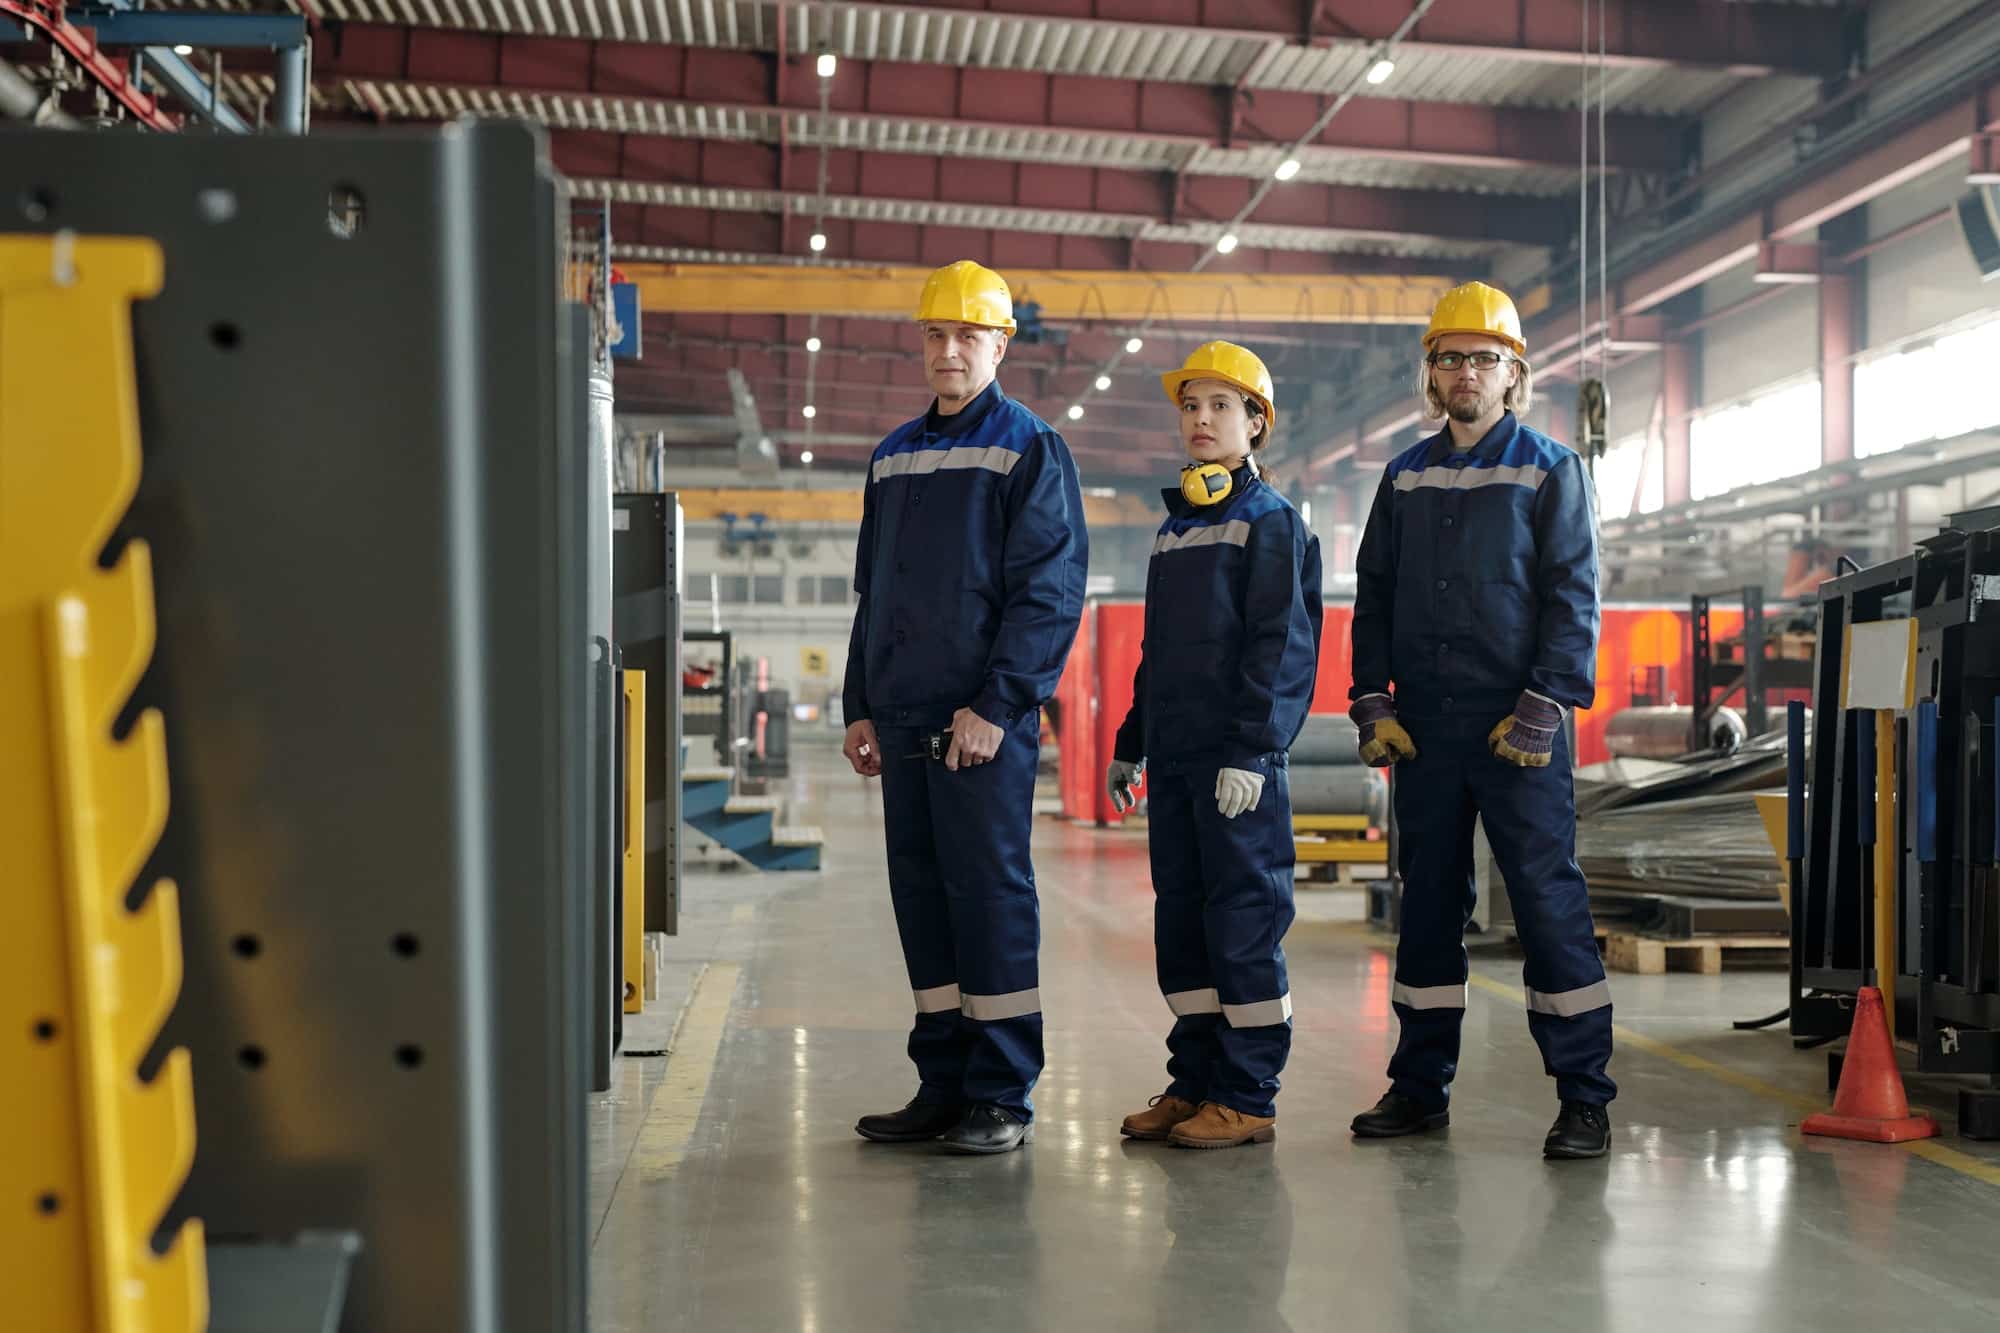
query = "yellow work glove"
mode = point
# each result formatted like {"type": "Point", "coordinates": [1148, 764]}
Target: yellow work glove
{"type": "Point", "coordinates": [1528, 736]}
{"type": "Point", "coordinates": [1383, 740]}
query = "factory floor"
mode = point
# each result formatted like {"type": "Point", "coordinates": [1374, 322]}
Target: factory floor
{"type": "Point", "coordinates": [730, 1192]}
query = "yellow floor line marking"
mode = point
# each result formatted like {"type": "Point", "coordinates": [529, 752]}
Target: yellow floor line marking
{"type": "Point", "coordinates": [676, 1108]}
{"type": "Point", "coordinates": [1929, 1149]}
{"type": "Point", "coordinates": [743, 912]}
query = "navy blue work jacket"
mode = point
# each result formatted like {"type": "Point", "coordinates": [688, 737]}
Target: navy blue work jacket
{"type": "Point", "coordinates": [1477, 577]}
{"type": "Point", "coordinates": [970, 568]}
{"type": "Point", "coordinates": [1231, 652]}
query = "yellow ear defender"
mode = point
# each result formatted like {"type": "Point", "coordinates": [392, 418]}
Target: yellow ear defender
{"type": "Point", "coordinates": [1206, 483]}
{"type": "Point", "coordinates": [1211, 483]}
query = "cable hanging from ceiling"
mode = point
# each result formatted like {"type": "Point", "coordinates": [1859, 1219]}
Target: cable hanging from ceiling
{"type": "Point", "coordinates": [1593, 395]}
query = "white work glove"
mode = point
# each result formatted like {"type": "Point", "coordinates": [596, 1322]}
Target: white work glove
{"type": "Point", "coordinates": [1118, 780]}
{"type": "Point", "coordinates": [1237, 790]}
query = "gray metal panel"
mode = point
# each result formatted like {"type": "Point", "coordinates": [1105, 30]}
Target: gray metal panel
{"type": "Point", "coordinates": [353, 452]}
{"type": "Point", "coordinates": [645, 577]}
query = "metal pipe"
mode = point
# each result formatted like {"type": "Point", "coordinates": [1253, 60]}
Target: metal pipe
{"type": "Point", "coordinates": [22, 100]}
{"type": "Point", "coordinates": [289, 110]}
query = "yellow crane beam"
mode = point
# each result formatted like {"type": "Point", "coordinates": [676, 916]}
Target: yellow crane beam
{"type": "Point", "coordinates": [1064, 294]}
{"type": "Point", "coordinates": [844, 506]}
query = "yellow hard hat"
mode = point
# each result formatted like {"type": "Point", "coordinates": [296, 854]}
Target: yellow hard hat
{"type": "Point", "coordinates": [1477, 308]}
{"type": "Point", "coordinates": [1232, 365]}
{"type": "Point", "coordinates": [967, 293]}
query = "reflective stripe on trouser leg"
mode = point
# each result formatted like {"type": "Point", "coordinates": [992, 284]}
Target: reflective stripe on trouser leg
{"type": "Point", "coordinates": [1530, 819]}
{"type": "Point", "coordinates": [938, 1000]}
{"type": "Point", "coordinates": [981, 817]}
{"type": "Point", "coordinates": [916, 886]}
{"type": "Point", "coordinates": [1247, 863]}
{"type": "Point", "coordinates": [1180, 938]}
{"type": "Point", "coordinates": [1434, 816]}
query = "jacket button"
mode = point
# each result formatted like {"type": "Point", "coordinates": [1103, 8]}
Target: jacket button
{"type": "Point", "coordinates": [1447, 702]}
{"type": "Point", "coordinates": [1443, 584]}
{"type": "Point", "coordinates": [1449, 520]}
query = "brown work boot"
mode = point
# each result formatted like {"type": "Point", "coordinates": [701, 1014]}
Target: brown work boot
{"type": "Point", "coordinates": [1158, 1119]}
{"type": "Point", "coordinates": [1220, 1127]}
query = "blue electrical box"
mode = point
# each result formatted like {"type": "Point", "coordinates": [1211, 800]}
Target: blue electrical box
{"type": "Point", "coordinates": [625, 310]}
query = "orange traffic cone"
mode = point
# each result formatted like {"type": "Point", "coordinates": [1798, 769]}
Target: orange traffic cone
{"type": "Point", "coordinates": [1870, 1104]}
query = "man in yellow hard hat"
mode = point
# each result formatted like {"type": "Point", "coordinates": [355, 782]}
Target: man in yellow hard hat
{"type": "Point", "coordinates": [970, 570]}
{"type": "Point", "coordinates": [1475, 631]}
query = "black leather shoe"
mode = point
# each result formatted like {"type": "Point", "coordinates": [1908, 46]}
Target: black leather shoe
{"type": "Point", "coordinates": [986, 1128]}
{"type": "Point", "coordinates": [1581, 1130]}
{"type": "Point", "coordinates": [1396, 1115]}
{"type": "Point", "coordinates": [913, 1124]}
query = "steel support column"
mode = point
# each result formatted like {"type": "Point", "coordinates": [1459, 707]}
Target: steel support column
{"type": "Point", "coordinates": [1677, 391]}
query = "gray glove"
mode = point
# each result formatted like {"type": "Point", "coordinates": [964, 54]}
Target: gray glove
{"type": "Point", "coordinates": [1118, 781]}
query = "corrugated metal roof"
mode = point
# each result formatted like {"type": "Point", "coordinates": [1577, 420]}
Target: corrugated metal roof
{"type": "Point", "coordinates": [921, 212]}
{"type": "Point", "coordinates": [1338, 166]}
{"type": "Point", "coordinates": [1053, 46]}
{"type": "Point", "coordinates": [899, 135]}
{"type": "Point", "coordinates": [1048, 221]}
{"type": "Point", "coordinates": [1096, 47]}
{"type": "Point", "coordinates": [635, 115]}
{"type": "Point", "coordinates": [1457, 76]}
{"type": "Point", "coordinates": [1327, 240]}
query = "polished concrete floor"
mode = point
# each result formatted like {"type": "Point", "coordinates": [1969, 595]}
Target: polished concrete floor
{"type": "Point", "coordinates": [731, 1193]}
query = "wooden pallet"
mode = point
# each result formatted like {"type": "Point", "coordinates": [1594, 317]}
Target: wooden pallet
{"type": "Point", "coordinates": [1703, 954]}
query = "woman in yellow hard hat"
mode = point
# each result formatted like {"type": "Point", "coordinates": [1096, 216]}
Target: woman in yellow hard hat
{"type": "Point", "coordinates": [1224, 682]}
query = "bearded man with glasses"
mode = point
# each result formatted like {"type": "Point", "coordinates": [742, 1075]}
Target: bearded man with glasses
{"type": "Point", "coordinates": [1475, 629]}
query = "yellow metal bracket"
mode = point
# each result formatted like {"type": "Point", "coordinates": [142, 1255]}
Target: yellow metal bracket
{"type": "Point", "coordinates": [634, 941]}
{"type": "Point", "coordinates": [91, 1156]}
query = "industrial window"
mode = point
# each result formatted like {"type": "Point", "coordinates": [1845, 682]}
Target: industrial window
{"type": "Point", "coordinates": [808, 590]}
{"type": "Point", "coordinates": [833, 590]}
{"type": "Point", "coordinates": [768, 590]}
{"type": "Point", "coordinates": [734, 587]}
{"type": "Point", "coordinates": [700, 587]}
{"type": "Point", "coordinates": [1919, 394]}
{"type": "Point", "coordinates": [1773, 435]}
{"type": "Point", "coordinates": [1631, 479]}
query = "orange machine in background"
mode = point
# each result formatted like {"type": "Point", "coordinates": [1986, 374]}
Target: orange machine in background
{"type": "Point", "coordinates": [1643, 656]}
